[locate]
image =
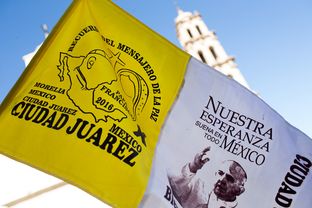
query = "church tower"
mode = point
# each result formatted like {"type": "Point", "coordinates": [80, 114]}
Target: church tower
{"type": "Point", "coordinates": [203, 44]}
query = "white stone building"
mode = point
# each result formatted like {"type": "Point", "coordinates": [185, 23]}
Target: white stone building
{"type": "Point", "coordinates": [203, 44]}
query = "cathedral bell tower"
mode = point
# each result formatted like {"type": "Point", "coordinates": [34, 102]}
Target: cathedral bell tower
{"type": "Point", "coordinates": [203, 44]}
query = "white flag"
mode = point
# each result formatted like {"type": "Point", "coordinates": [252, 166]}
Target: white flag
{"type": "Point", "coordinates": [222, 146]}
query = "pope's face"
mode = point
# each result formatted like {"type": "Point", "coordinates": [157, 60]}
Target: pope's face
{"type": "Point", "coordinates": [230, 180]}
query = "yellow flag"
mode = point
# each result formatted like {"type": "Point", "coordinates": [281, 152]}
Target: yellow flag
{"type": "Point", "coordinates": [90, 105]}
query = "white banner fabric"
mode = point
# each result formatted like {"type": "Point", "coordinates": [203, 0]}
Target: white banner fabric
{"type": "Point", "coordinates": [222, 146]}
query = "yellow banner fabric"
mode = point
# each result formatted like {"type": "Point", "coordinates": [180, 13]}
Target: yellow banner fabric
{"type": "Point", "coordinates": [90, 105]}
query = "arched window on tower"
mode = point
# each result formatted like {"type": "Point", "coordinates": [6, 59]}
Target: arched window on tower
{"type": "Point", "coordinates": [213, 53]}
{"type": "Point", "coordinates": [201, 55]}
{"type": "Point", "coordinates": [189, 32]}
{"type": "Point", "coordinates": [198, 29]}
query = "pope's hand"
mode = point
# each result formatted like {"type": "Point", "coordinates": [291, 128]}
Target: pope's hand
{"type": "Point", "coordinates": [199, 160]}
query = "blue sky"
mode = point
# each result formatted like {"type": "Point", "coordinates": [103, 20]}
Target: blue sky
{"type": "Point", "coordinates": [270, 39]}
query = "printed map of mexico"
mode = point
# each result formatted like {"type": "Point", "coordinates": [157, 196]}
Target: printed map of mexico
{"type": "Point", "coordinates": [111, 94]}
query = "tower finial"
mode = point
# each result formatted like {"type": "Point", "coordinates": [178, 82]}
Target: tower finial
{"type": "Point", "coordinates": [45, 30]}
{"type": "Point", "coordinates": [176, 5]}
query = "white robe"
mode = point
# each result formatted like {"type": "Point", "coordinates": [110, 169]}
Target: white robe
{"type": "Point", "coordinates": [192, 192]}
